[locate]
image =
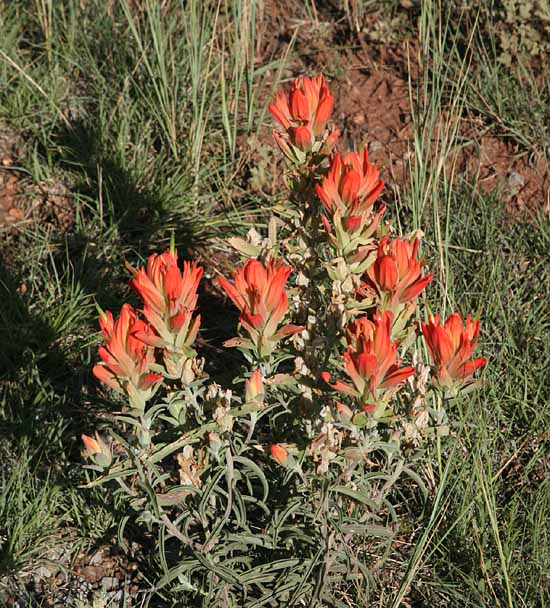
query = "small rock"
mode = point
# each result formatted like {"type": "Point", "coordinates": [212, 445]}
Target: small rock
{"type": "Point", "coordinates": [374, 146]}
{"type": "Point", "coordinates": [359, 118]}
{"type": "Point", "coordinates": [380, 134]}
{"type": "Point", "coordinates": [97, 558]}
{"type": "Point", "coordinates": [15, 214]}
{"type": "Point", "coordinates": [92, 574]}
{"type": "Point", "coordinates": [42, 573]}
{"type": "Point", "coordinates": [108, 564]}
{"type": "Point", "coordinates": [61, 578]}
{"type": "Point", "coordinates": [109, 582]}
{"type": "Point", "coordinates": [516, 181]}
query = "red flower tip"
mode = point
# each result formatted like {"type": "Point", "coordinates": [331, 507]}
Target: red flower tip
{"type": "Point", "coordinates": [301, 137]}
{"type": "Point", "coordinates": [326, 377]}
{"type": "Point", "coordinates": [258, 291]}
{"type": "Point", "coordinates": [397, 270]}
{"type": "Point", "coordinates": [351, 188]}
{"type": "Point", "coordinates": [91, 444]}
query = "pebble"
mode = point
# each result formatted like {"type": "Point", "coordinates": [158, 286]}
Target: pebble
{"type": "Point", "coordinates": [15, 214]}
{"type": "Point", "coordinates": [60, 578]}
{"type": "Point", "coordinates": [516, 181]}
{"type": "Point", "coordinates": [97, 558]}
{"type": "Point", "coordinates": [109, 582]}
{"type": "Point", "coordinates": [42, 572]}
{"type": "Point", "coordinates": [374, 146]}
{"type": "Point", "coordinates": [93, 574]}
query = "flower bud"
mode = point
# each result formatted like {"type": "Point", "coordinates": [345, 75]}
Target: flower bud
{"type": "Point", "coordinates": [92, 446]}
{"type": "Point", "coordinates": [144, 438]}
{"type": "Point", "coordinates": [279, 454]}
{"type": "Point", "coordinates": [188, 373]}
{"type": "Point", "coordinates": [254, 388]}
{"type": "Point", "coordinates": [215, 443]}
{"type": "Point", "coordinates": [97, 451]}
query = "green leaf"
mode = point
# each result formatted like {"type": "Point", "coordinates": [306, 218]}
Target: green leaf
{"type": "Point", "coordinates": [255, 469]}
{"type": "Point", "coordinates": [355, 495]}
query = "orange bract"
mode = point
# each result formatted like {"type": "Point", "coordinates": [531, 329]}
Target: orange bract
{"type": "Point", "coordinates": [303, 117]}
{"type": "Point", "coordinates": [279, 454]}
{"type": "Point", "coordinates": [348, 194]}
{"type": "Point", "coordinates": [371, 360]}
{"type": "Point", "coordinates": [259, 293]}
{"type": "Point", "coordinates": [92, 445]}
{"type": "Point", "coordinates": [306, 111]}
{"type": "Point", "coordinates": [397, 271]}
{"type": "Point", "coordinates": [351, 186]}
{"type": "Point", "coordinates": [169, 297]}
{"type": "Point", "coordinates": [450, 346]}
{"type": "Point", "coordinates": [254, 387]}
{"type": "Point", "coordinates": [126, 360]}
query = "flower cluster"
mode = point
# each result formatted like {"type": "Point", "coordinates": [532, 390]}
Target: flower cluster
{"type": "Point", "coordinates": [385, 277]}
{"type": "Point", "coordinates": [451, 345]}
{"type": "Point", "coordinates": [372, 364]}
{"type": "Point", "coordinates": [348, 194]}
{"type": "Point", "coordinates": [258, 291]}
{"type": "Point", "coordinates": [395, 279]}
{"type": "Point", "coordinates": [303, 117]}
{"type": "Point", "coordinates": [126, 360]}
{"type": "Point", "coordinates": [169, 300]}
{"type": "Point", "coordinates": [382, 275]}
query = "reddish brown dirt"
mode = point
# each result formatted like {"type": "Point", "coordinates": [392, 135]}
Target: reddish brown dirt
{"type": "Point", "coordinates": [384, 123]}
{"type": "Point", "coordinates": [47, 202]}
{"type": "Point", "coordinates": [10, 149]}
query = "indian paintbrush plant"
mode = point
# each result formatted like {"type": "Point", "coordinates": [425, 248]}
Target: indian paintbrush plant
{"type": "Point", "coordinates": [277, 490]}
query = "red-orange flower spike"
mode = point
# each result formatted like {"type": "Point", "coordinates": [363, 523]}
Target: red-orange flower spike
{"type": "Point", "coordinates": [170, 298]}
{"type": "Point", "coordinates": [450, 346]}
{"type": "Point", "coordinates": [351, 186]}
{"type": "Point", "coordinates": [309, 104]}
{"type": "Point", "coordinates": [259, 293]}
{"type": "Point", "coordinates": [126, 360]}
{"type": "Point", "coordinates": [371, 361]}
{"type": "Point", "coordinates": [164, 288]}
{"type": "Point", "coordinates": [348, 194]}
{"type": "Point", "coordinates": [397, 271]}
{"type": "Point", "coordinates": [304, 115]}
